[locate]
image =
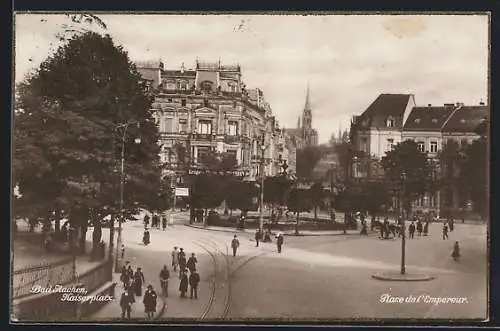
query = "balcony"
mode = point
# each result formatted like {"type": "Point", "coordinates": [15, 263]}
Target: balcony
{"type": "Point", "coordinates": [202, 136]}
{"type": "Point", "coordinates": [232, 139]}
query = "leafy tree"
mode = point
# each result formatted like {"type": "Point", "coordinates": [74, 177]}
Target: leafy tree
{"type": "Point", "coordinates": [299, 201]}
{"type": "Point", "coordinates": [475, 169]}
{"type": "Point", "coordinates": [375, 198]}
{"type": "Point", "coordinates": [207, 192]}
{"type": "Point", "coordinates": [450, 160]}
{"type": "Point", "coordinates": [406, 158]}
{"type": "Point", "coordinates": [275, 191]}
{"type": "Point", "coordinates": [307, 158]}
{"type": "Point", "coordinates": [244, 196]}
{"type": "Point", "coordinates": [317, 194]}
{"type": "Point", "coordinates": [67, 118]}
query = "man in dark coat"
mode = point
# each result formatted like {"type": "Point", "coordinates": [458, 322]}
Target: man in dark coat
{"type": "Point", "coordinates": [149, 301]}
{"type": "Point", "coordinates": [191, 263]}
{"type": "Point", "coordinates": [182, 261]}
{"type": "Point", "coordinates": [258, 237]}
{"type": "Point", "coordinates": [411, 229]}
{"type": "Point", "coordinates": [125, 277]}
{"type": "Point", "coordinates": [194, 280]}
{"type": "Point", "coordinates": [126, 304]}
{"type": "Point", "coordinates": [138, 281]}
{"type": "Point", "coordinates": [164, 276]}
{"type": "Point", "coordinates": [183, 285]}
{"type": "Point", "coordinates": [164, 222]}
{"type": "Point", "coordinates": [279, 241]}
{"type": "Point", "coordinates": [419, 227]}
{"type": "Point", "coordinates": [235, 243]}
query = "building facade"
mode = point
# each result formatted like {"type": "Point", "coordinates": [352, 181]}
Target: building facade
{"type": "Point", "coordinates": [393, 118]}
{"type": "Point", "coordinates": [208, 109]}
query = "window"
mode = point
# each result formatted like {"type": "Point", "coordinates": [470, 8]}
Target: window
{"type": "Point", "coordinates": [168, 125]}
{"type": "Point", "coordinates": [364, 144]}
{"type": "Point", "coordinates": [169, 99]}
{"type": "Point", "coordinates": [434, 146]}
{"type": "Point", "coordinates": [183, 102]}
{"type": "Point", "coordinates": [421, 146]}
{"type": "Point", "coordinates": [232, 128]}
{"type": "Point", "coordinates": [183, 128]}
{"type": "Point", "coordinates": [434, 120]}
{"type": "Point", "coordinates": [390, 122]}
{"type": "Point", "coordinates": [184, 85]}
{"type": "Point", "coordinates": [205, 127]}
{"type": "Point", "coordinates": [231, 152]}
{"type": "Point", "coordinates": [417, 120]}
{"type": "Point", "coordinates": [202, 153]}
{"type": "Point", "coordinates": [390, 144]}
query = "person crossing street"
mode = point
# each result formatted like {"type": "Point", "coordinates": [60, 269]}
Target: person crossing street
{"type": "Point", "coordinates": [194, 280]}
{"type": "Point", "coordinates": [149, 301]}
{"type": "Point", "coordinates": [235, 243]}
{"type": "Point", "coordinates": [164, 276]}
{"type": "Point", "coordinates": [175, 258]}
{"type": "Point", "coordinates": [258, 237]}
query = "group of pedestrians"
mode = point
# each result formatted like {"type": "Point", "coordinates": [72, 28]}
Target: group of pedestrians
{"type": "Point", "coordinates": [155, 221]}
{"type": "Point", "coordinates": [192, 281]}
{"type": "Point", "coordinates": [132, 288]}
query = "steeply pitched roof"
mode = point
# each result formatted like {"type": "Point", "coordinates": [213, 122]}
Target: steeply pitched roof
{"type": "Point", "coordinates": [466, 119]}
{"type": "Point", "coordinates": [178, 73]}
{"type": "Point", "coordinates": [385, 106]}
{"type": "Point", "coordinates": [427, 118]}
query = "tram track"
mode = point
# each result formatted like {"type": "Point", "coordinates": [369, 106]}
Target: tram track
{"type": "Point", "coordinates": [227, 270]}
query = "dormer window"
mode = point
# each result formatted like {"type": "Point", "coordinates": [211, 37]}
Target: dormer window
{"type": "Point", "coordinates": [417, 120]}
{"type": "Point", "coordinates": [462, 121]}
{"type": "Point", "coordinates": [434, 120]}
{"type": "Point", "coordinates": [390, 122]}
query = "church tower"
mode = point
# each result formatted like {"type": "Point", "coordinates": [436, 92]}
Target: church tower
{"type": "Point", "coordinates": [307, 113]}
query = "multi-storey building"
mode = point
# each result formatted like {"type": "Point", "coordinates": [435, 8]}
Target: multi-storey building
{"type": "Point", "coordinates": [392, 118]}
{"type": "Point", "coordinates": [208, 109]}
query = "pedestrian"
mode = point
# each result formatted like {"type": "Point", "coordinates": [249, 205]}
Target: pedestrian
{"type": "Point", "coordinates": [191, 263]}
{"type": "Point", "coordinates": [456, 251]}
{"type": "Point", "coordinates": [175, 258]}
{"type": "Point", "coordinates": [279, 241]}
{"type": "Point", "coordinates": [452, 224]}
{"type": "Point", "coordinates": [182, 261]}
{"type": "Point", "coordinates": [164, 276]}
{"type": "Point", "coordinates": [419, 227]}
{"type": "Point", "coordinates": [445, 231]}
{"type": "Point", "coordinates": [411, 230]}
{"type": "Point", "coordinates": [426, 228]}
{"type": "Point", "coordinates": [126, 304]}
{"type": "Point", "coordinates": [123, 251]}
{"type": "Point", "coordinates": [164, 222]}
{"type": "Point", "coordinates": [130, 290]}
{"type": "Point", "coordinates": [125, 277]}
{"type": "Point", "coordinates": [138, 281]}
{"type": "Point", "coordinates": [364, 230]}
{"type": "Point", "coordinates": [146, 221]}
{"type": "Point", "coordinates": [146, 237]}
{"type": "Point", "coordinates": [258, 237]}
{"type": "Point", "coordinates": [381, 229]}
{"type": "Point", "coordinates": [149, 301]}
{"type": "Point", "coordinates": [194, 280]}
{"type": "Point", "coordinates": [235, 243]}
{"type": "Point", "coordinates": [183, 285]}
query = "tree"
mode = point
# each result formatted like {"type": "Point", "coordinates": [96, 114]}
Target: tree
{"type": "Point", "coordinates": [275, 191]}
{"type": "Point", "coordinates": [307, 158]}
{"type": "Point", "coordinates": [317, 194]}
{"type": "Point", "coordinates": [207, 192]}
{"type": "Point", "coordinates": [474, 174]}
{"type": "Point", "coordinates": [299, 201]}
{"type": "Point", "coordinates": [406, 158]}
{"type": "Point", "coordinates": [375, 198]}
{"type": "Point", "coordinates": [244, 196]}
{"type": "Point", "coordinates": [450, 161]}
{"type": "Point", "coordinates": [67, 118]}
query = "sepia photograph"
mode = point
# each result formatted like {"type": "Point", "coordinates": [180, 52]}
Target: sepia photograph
{"type": "Point", "coordinates": [191, 167]}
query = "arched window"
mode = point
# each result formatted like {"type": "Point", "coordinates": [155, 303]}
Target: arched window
{"type": "Point", "coordinates": [390, 122]}
{"type": "Point", "coordinates": [207, 86]}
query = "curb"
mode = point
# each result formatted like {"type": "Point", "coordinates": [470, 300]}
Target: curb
{"type": "Point", "coordinates": [285, 234]}
{"type": "Point", "coordinates": [397, 277]}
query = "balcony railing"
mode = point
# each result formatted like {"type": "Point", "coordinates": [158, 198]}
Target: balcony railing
{"type": "Point", "coordinates": [202, 136]}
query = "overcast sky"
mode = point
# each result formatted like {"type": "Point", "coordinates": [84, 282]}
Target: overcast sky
{"type": "Point", "coordinates": [347, 60]}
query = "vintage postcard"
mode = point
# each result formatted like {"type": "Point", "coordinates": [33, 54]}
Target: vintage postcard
{"type": "Point", "coordinates": [204, 167]}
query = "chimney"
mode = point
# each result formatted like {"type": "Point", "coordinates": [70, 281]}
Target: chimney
{"type": "Point", "coordinates": [481, 103]}
{"type": "Point", "coordinates": [182, 68]}
{"type": "Point", "coordinates": [429, 105]}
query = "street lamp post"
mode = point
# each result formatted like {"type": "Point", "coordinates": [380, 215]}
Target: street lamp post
{"type": "Point", "coordinates": [262, 177]}
{"type": "Point", "coordinates": [122, 184]}
{"type": "Point", "coordinates": [403, 243]}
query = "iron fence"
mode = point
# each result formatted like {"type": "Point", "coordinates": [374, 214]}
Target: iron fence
{"type": "Point", "coordinates": [95, 278]}
{"type": "Point", "coordinates": [43, 275]}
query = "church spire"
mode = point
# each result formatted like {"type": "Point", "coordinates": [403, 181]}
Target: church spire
{"type": "Point", "coordinates": [298, 122]}
{"type": "Point", "coordinates": [308, 103]}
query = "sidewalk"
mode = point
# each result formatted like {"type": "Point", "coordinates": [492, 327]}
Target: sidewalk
{"type": "Point", "coordinates": [112, 309]}
{"type": "Point", "coordinates": [286, 233]}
